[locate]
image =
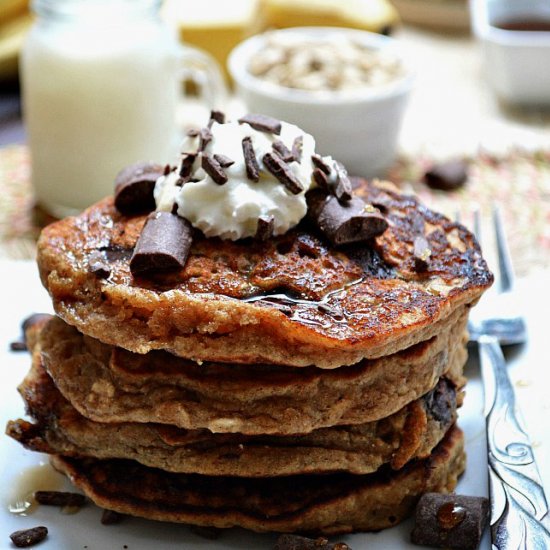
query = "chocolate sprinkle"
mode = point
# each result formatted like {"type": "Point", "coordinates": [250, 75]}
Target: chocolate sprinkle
{"type": "Point", "coordinates": [421, 253]}
{"type": "Point", "coordinates": [450, 521]}
{"type": "Point", "coordinates": [167, 169]}
{"type": "Point", "coordinates": [224, 162]}
{"type": "Point", "coordinates": [193, 132]}
{"type": "Point", "coordinates": [212, 167]}
{"type": "Point", "coordinates": [163, 245]}
{"type": "Point", "coordinates": [283, 151]}
{"type": "Point", "coordinates": [110, 517]}
{"type": "Point", "coordinates": [187, 162]}
{"type": "Point", "coordinates": [251, 163]}
{"type": "Point", "coordinates": [278, 167]}
{"type": "Point", "coordinates": [297, 146]}
{"type": "Point", "coordinates": [205, 138]}
{"type": "Point", "coordinates": [343, 189]}
{"type": "Point", "coordinates": [319, 163]}
{"type": "Point", "coordinates": [134, 186]}
{"type": "Point", "coordinates": [262, 123]}
{"type": "Point", "coordinates": [344, 223]}
{"type": "Point", "coordinates": [320, 178]}
{"type": "Point", "coordinates": [98, 265]}
{"type": "Point", "coordinates": [296, 542]}
{"type": "Point", "coordinates": [264, 231]}
{"type": "Point", "coordinates": [59, 498]}
{"type": "Point", "coordinates": [218, 116]}
{"type": "Point", "coordinates": [29, 537]}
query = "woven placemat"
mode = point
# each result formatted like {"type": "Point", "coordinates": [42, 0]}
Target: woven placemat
{"type": "Point", "coordinates": [519, 182]}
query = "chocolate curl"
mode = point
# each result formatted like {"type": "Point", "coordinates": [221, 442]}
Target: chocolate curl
{"type": "Point", "coordinates": [280, 169]}
{"type": "Point", "coordinates": [212, 167]}
{"type": "Point", "coordinates": [217, 116]}
{"type": "Point", "coordinates": [264, 230]}
{"type": "Point", "coordinates": [250, 161]}
{"type": "Point", "coordinates": [262, 123]}
{"type": "Point", "coordinates": [344, 223]}
{"type": "Point", "coordinates": [343, 189]}
{"type": "Point", "coordinates": [225, 162]}
{"type": "Point", "coordinates": [187, 162]}
{"type": "Point", "coordinates": [205, 138]}
{"type": "Point", "coordinates": [319, 163]}
{"type": "Point", "coordinates": [134, 186]}
{"type": "Point", "coordinates": [297, 146]}
{"type": "Point", "coordinates": [163, 245]}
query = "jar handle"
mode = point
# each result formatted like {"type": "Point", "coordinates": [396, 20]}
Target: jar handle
{"type": "Point", "coordinates": [200, 68]}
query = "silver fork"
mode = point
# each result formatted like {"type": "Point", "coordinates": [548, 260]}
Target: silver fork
{"type": "Point", "coordinates": [519, 510]}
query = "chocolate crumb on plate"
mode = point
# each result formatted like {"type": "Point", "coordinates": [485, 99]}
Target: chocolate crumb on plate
{"type": "Point", "coordinates": [251, 163]}
{"type": "Point", "coordinates": [283, 151]}
{"type": "Point", "coordinates": [264, 231]}
{"type": "Point", "coordinates": [421, 253]}
{"type": "Point", "coordinates": [29, 537]}
{"type": "Point", "coordinates": [447, 176]}
{"type": "Point", "coordinates": [296, 542]}
{"type": "Point", "coordinates": [450, 521]}
{"type": "Point", "coordinates": [262, 123]}
{"type": "Point", "coordinates": [297, 146]}
{"type": "Point", "coordinates": [60, 498]}
{"type": "Point", "coordinates": [164, 244]}
{"type": "Point", "coordinates": [134, 186]}
{"type": "Point", "coordinates": [110, 517]}
{"type": "Point", "coordinates": [280, 169]}
{"type": "Point", "coordinates": [98, 265]}
{"type": "Point", "coordinates": [224, 161]}
{"type": "Point", "coordinates": [213, 168]}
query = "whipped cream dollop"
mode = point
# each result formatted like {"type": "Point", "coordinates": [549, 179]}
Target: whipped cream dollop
{"type": "Point", "coordinates": [231, 209]}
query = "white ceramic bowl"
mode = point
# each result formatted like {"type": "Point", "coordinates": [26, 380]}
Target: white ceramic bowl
{"type": "Point", "coordinates": [359, 128]}
{"type": "Point", "coordinates": [516, 63]}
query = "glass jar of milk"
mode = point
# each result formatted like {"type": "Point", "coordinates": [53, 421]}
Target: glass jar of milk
{"type": "Point", "coordinates": [101, 83]}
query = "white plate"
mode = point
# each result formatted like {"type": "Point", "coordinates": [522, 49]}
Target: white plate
{"type": "Point", "coordinates": [24, 295]}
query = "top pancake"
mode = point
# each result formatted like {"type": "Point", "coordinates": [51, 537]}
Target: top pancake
{"type": "Point", "coordinates": [374, 301]}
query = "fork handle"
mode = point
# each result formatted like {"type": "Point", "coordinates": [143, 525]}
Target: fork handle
{"type": "Point", "coordinates": [519, 508]}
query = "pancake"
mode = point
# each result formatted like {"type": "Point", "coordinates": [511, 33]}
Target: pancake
{"type": "Point", "coordinates": [326, 504]}
{"type": "Point", "coordinates": [258, 302]}
{"type": "Point", "coordinates": [410, 433]}
{"type": "Point", "coordinates": [107, 384]}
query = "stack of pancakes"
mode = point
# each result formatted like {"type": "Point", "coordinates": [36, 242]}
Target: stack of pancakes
{"type": "Point", "coordinates": [285, 385]}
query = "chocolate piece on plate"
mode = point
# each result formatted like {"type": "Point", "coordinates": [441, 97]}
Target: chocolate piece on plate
{"type": "Point", "coordinates": [213, 168]}
{"type": "Point", "coordinates": [296, 542]}
{"type": "Point", "coordinates": [251, 163]}
{"type": "Point", "coordinates": [29, 537]}
{"type": "Point", "coordinates": [280, 169]}
{"type": "Point", "coordinates": [297, 146]}
{"type": "Point", "coordinates": [421, 253]}
{"type": "Point", "coordinates": [344, 223]}
{"type": "Point", "coordinates": [262, 123]}
{"type": "Point", "coordinates": [164, 244]}
{"type": "Point", "coordinates": [134, 187]}
{"type": "Point", "coordinates": [264, 231]}
{"type": "Point", "coordinates": [110, 517]}
{"type": "Point", "coordinates": [218, 116]}
{"type": "Point", "coordinates": [450, 521]}
{"type": "Point", "coordinates": [98, 265]}
{"type": "Point", "coordinates": [283, 151]}
{"type": "Point", "coordinates": [224, 161]}
{"type": "Point", "coordinates": [186, 167]}
{"type": "Point", "coordinates": [205, 138]}
{"type": "Point", "coordinates": [319, 163]}
{"type": "Point", "coordinates": [343, 189]}
{"type": "Point", "coordinates": [447, 176]}
{"type": "Point", "coordinates": [59, 498]}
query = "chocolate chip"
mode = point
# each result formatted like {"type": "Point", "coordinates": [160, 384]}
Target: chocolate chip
{"type": "Point", "coordinates": [283, 151]}
{"type": "Point", "coordinates": [29, 537]}
{"type": "Point", "coordinates": [212, 167]}
{"type": "Point", "coordinates": [187, 161]}
{"type": "Point", "coordinates": [262, 123]}
{"type": "Point", "coordinates": [163, 245]}
{"type": "Point", "coordinates": [280, 169]}
{"type": "Point", "coordinates": [450, 521]}
{"type": "Point", "coordinates": [110, 517]}
{"type": "Point", "coordinates": [209, 533]}
{"type": "Point", "coordinates": [297, 146]}
{"type": "Point", "coordinates": [218, 116]}
{"type": "Point", "coordinates": [18, 346]}
{"type": "Point", "coordinates": [447, 176]}
{"type": "Point", "coordinates": [296, 542]}
{"type": "Point", "coordinates": [441, 402]}
{"type": "Point", "coordinates": [134, 187]}
{"type": "Point", "coordinates": [320, 178]}
{"type": "Point", "coordinates": [344, 223]}
{"type": "Point", "coordinates": [264, 231]}
{"type": "Point", "coordinates": [251, 163]}
{"type": "Point", "coordinates": [421, 253]}
{"type": "Point", "coordinates": [224, 162]}
{"type": "Point", "coordinates": [319, 163]}
{"type": "Point", "coordinates": [59, 498]}
{"type": "Point", "coordinates": [98, 266]}
{"type": "Point", "coordinates": [343, 189]}
{"type": "Point", "coordinates": [205, 138]}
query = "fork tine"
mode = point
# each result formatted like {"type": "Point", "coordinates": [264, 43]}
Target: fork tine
{"type": "Point", "coordinates": [477, 225]}
{"type": "Point", "coordinates": [504, 260]}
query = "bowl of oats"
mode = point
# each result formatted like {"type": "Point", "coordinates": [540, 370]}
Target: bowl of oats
{"type": "Point", "coordinates": [347, 87]}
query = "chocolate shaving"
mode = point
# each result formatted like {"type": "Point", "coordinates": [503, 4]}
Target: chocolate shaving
{"type": "Point", "coordinates": [110, 517]}
{"type": "Point", "coordinates": [251, 163]}
{"type": "Point", "coordinates": [163, 245]}
{"type": "Point", "coordinates": [98, 265]}
{"type": "Point", "coordinates": [60, 498]}
{"type": "Point", "coordinates": [296, 542]}
{"type": "Point", "coordinates": [218, 116]}
{"type": "Point", "coordinates": [283, 151]}
{"type": "Point", "coordinates": [187, 162]}
{"type": "Point", "coordinates": [29, 537]}
{"type": "Point", "coordinates": [167, 169]}
{"type": "Point", "coordinates": [319, 163]}
{"type": "Point", "coordinates": [320, 178]}
{"type": "Point", "coordinates": [343, 189]}
{"type": "Point", "coordinates": [224, 162]}
{"type": "Point", "coordinates": [421, 253]}
{"type": "Point", "coordinates": [344, 223]}
{"type": "Point", "coordinates": [264, 231]}
{"type": "Point", "coordinates": [212, 167]}
{"type": "Point", "coordinates": [297, 146]}
{"type": "Point", "coordinates": [134, 186]}
{"type": "Point", "coordinates": [280, 169]}
{"type": "Point", "coordinates": [205, 138]}
{"type": "Point", "coordinates": [262, 123]}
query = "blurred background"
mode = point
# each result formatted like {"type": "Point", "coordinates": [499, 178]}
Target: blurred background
{"type": "Point", "coordinates": [474, 126]}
